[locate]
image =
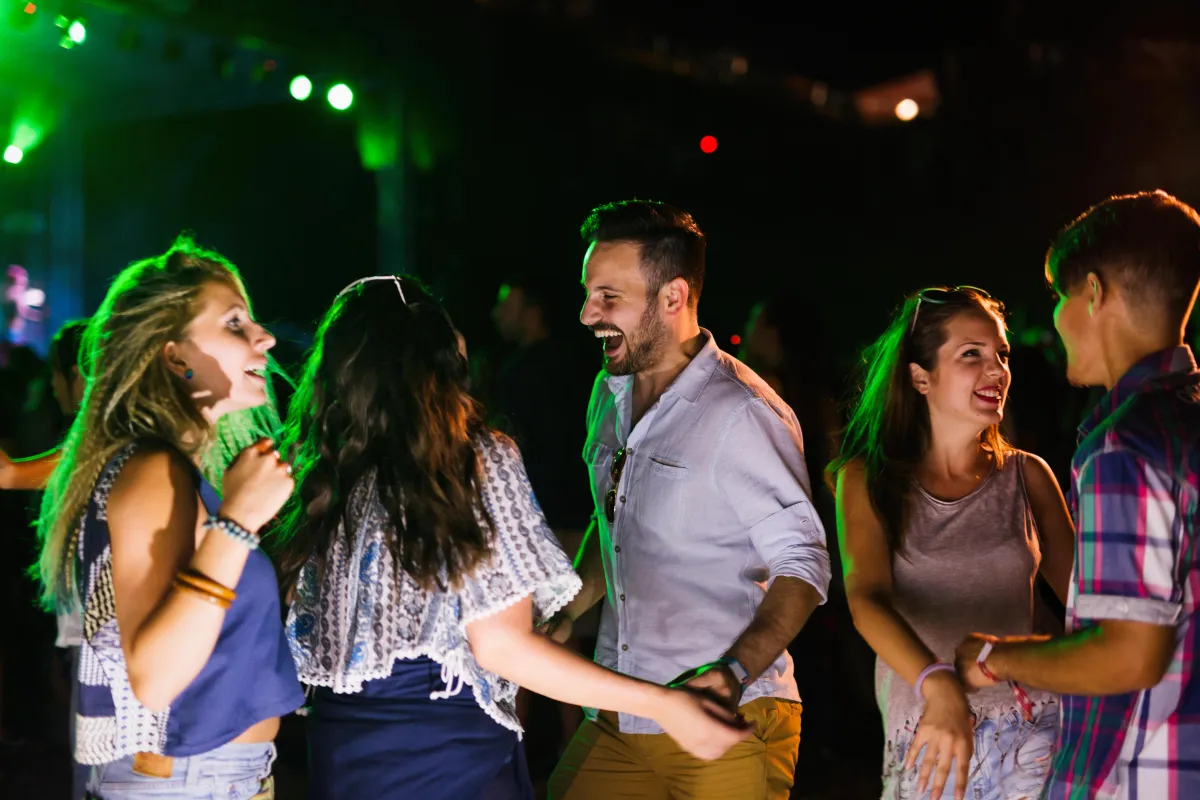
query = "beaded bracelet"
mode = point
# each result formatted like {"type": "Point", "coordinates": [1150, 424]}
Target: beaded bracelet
{"type": "Point", "coordinates": [233, 530]}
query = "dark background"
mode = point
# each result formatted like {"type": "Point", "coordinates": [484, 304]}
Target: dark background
{"type": "Point", "coordinates": [519, 117]}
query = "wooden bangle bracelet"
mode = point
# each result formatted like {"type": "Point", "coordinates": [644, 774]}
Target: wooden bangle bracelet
{"type": "Point", "coordinates": [206, 584]}
{"type": "Point", "coordinates": [187, 588]}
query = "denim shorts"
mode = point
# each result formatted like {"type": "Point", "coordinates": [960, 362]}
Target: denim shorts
{"type": "Point", "coordinates": [1011, 760]}
{"type": "Point", "coordinates": [231, 772]}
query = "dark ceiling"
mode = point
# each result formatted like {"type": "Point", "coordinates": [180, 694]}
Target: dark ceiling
{"type": "Point", "coordinates": [846, 44]}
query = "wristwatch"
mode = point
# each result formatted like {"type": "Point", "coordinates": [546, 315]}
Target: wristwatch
{"type": "Point", "coordinates": [736, 668]}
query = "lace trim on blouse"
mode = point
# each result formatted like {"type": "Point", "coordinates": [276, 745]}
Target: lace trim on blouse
{"type": "Point", "coordinates": [360, 618]}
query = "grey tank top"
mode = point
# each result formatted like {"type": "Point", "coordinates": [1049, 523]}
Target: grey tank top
{"type": "Point", "coordinates": [968, 565]}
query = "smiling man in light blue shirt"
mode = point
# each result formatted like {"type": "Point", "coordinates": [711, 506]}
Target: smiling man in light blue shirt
{"type": "Point", "coordinates": [704, 537]}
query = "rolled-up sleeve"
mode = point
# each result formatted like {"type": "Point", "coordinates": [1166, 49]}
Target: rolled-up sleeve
{"type": "Point", "coordinates": [762, 474]}
{"type": "Point", "coordinates": [1129, 534]}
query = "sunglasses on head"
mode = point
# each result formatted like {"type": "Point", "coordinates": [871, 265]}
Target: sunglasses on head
{"type": "Point", "coordinates": [939, 297]}
{"type": "Point", "coordinates": [614, 472]}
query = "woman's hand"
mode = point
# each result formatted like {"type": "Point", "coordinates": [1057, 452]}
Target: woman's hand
{"type": "Point", "coordinates": [702, 726]}
{"type": "Point", "coordinates": [946, 731]}
{"type": "Point", "coordinates": [256, 485]}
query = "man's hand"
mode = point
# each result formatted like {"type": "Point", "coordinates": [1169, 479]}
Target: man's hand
{"type": "Point", "coordinates": [558, 628]}
{"type": "Point", "coordinates": [966, 662]}
{"type": "Point", "coordinates": [721, 684]}
{"type": "Point", "coordinates": [966, 657]}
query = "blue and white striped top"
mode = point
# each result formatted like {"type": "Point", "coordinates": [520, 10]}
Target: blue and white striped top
{"type": "Point", "coordinates": [249, 677]}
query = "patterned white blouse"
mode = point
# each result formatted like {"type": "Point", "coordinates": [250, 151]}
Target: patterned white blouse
{"type": "Point", "coordinates": [358, 619]}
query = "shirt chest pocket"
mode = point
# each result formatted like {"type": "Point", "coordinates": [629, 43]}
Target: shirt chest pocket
{"type": "Point", "coordinates": [659, 492]}
{"type": "Point", "coordinates": [598, 457]}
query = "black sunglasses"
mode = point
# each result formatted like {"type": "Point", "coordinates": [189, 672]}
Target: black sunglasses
{"type": "Point", "coordinates": [940, 297]}
{"type": "Point", "coordinates": [614, 472]}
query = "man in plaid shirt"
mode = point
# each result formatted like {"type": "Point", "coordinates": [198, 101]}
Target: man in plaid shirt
{"type": "Point", "coordinates": [1126, 274]}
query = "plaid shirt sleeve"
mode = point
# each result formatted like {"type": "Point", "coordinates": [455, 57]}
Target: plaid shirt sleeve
{"type": "Point", "coordinates": [1129, 536]}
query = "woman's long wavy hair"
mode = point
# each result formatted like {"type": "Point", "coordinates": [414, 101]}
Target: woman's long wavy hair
{"type": "Point", "coordinates": [889, 428]}
{"type": "Point", "coordinates": [383, 394]}
{"type": "Point", "coordinates": [130, 394]}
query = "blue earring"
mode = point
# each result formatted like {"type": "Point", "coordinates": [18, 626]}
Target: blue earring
{"type": "Point", "coordinates": [187, 376]}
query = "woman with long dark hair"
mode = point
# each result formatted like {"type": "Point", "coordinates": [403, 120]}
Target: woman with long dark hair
{"type": "Point", "coordinates": [943, 528]}
{"type": "Point", "coordinates": [184, 669]}
{"type": "Point", "coordinates": [419, 562]}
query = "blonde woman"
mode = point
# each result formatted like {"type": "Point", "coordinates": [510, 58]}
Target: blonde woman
{"type": "Point", "coordinates": [184, 669]}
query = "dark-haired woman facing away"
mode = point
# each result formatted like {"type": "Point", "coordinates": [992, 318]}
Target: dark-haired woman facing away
{"type": "Point", "coordinates": [420, 563]}
{"type": "Point", "coordinates": [943, 528]}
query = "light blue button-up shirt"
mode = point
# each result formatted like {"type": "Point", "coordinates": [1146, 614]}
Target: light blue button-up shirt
{"type": "Point", "coordinates": [713, 504]}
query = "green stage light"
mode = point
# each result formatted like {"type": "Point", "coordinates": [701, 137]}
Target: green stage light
{"type": "Point", "coordinates": [300, 87]}
{"type": "Point", "coordinates": [340, 97]}
{"type": "Point", "coordinates": [13, 154]}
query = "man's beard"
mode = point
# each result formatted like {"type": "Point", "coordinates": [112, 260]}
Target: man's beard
{"type": "Point", "coordinates": [643, 345]}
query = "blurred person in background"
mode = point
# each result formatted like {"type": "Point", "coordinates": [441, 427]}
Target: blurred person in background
{"type": "Point", "coordinates": [23, 310]}
{"type": "Point", "coordinates": [15, 306]}
{"type": "Point", "coordinates": [535, 398]}
{"type": "Point", "coordinates": [786, 343]}
{"type": "Point", "coordinates": [32, 474]}
{"type": "Point", "coordinates": [30, 422]}
{"type": "Point", "coordinates": [67, 385]}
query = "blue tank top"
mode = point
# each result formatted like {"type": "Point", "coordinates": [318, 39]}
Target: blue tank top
{"type": "Point", "coordinates": [249, 677]}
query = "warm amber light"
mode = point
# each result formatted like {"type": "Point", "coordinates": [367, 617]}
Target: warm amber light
{"type": "Point", "coordinates": [907, 109]}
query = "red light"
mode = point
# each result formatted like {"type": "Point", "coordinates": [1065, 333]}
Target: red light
{"type": "Point", "coordinates": [30, 8]}
{"type": "Point", "coordinates": [708, 144]}
{"type": "Point", "coordinates": [269, 65]}
{"type": "Point", "coordinates": [735, 340]}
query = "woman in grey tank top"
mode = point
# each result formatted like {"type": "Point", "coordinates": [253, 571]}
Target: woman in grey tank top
{"type": "Point", "coordinates": [944, 528]}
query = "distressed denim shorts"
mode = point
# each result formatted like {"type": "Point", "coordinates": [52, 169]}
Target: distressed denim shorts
{"type": "Point", "coordinates": [231, 772]}
{"type": "Point", "coordinates": [1011, 760]}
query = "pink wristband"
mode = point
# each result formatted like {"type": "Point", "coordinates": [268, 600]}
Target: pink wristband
{"type": "Point", "coordinates": [937, 666]}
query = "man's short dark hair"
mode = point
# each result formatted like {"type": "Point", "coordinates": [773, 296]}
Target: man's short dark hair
{"type": "Point", "coordinates": [669, 241]}
{"type": "Point", "coordinates": [1148, 243]}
